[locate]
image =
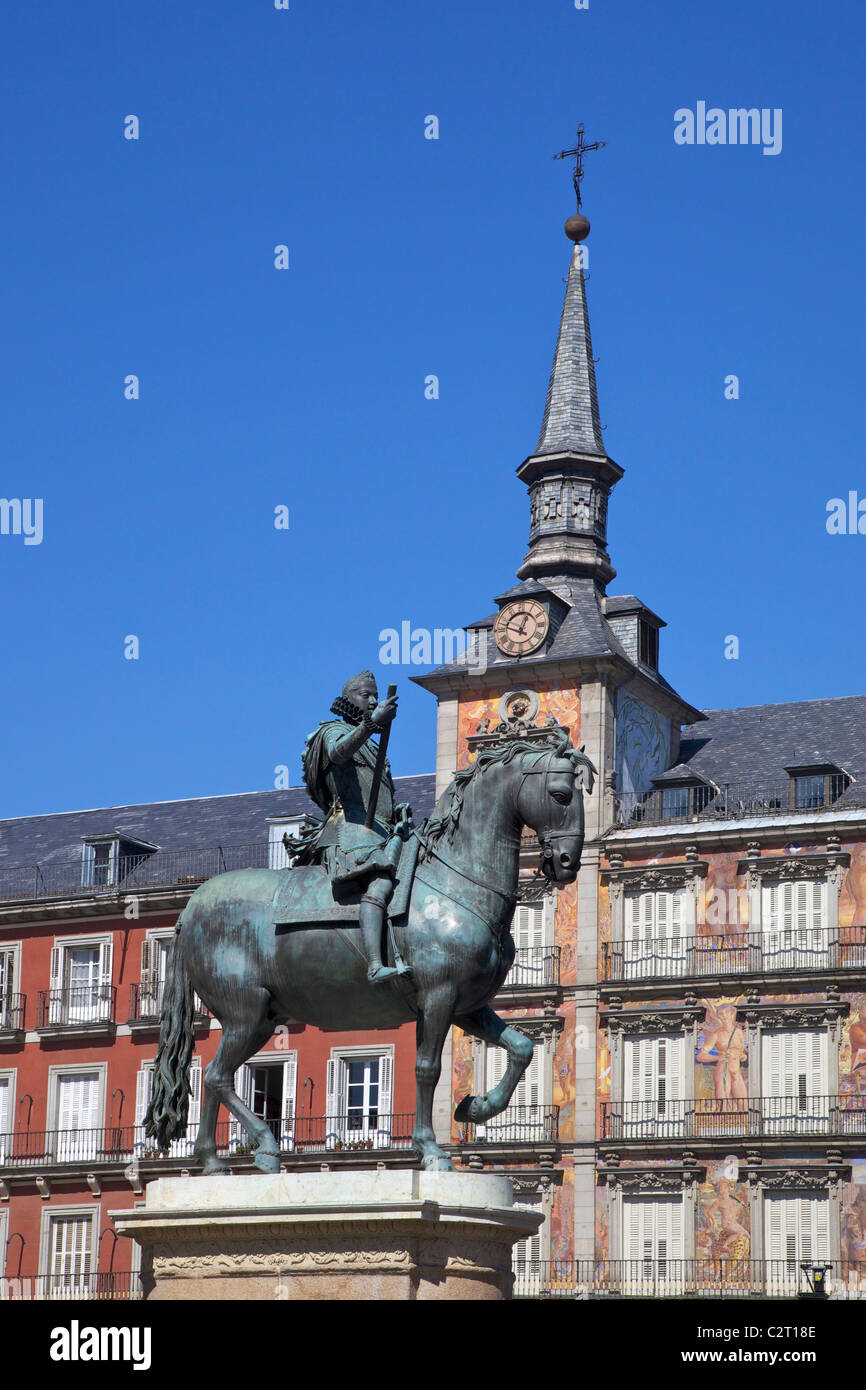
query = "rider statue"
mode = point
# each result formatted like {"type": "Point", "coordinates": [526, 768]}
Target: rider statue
{"type": "Point", "coordinates": [339, 767]}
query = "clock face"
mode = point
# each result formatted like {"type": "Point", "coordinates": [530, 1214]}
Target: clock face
{"type": "Point", "coordinates": [521, 627]}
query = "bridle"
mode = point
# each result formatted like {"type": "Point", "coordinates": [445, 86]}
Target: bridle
{"type": "Point", "coordinates": [545, 840]}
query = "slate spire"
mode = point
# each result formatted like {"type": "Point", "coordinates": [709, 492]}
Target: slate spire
{"type": "Point", "coordinates": [570, 475]}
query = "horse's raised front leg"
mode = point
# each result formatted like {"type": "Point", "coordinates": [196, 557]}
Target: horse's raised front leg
{"type": "Point", "coordinates": [490, 1028]}
{"type": "Point", "coordinates": [431, 1031]}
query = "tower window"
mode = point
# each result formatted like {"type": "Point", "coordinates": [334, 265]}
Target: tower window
{"type": "Point", "coordinates": [648, 644]}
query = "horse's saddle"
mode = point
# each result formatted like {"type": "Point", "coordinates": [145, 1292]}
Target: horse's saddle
{"type": "Point", "coordinates": [306, 895]}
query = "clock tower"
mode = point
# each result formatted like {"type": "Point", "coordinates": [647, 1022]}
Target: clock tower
{"type": "Point", "coordinates": [560, 650]}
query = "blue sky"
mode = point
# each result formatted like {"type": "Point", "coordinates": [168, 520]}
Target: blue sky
{"type": "Point", "coordinates": [408, 257]}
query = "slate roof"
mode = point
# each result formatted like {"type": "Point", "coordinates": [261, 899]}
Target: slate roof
{"type": "Point", "coordinates": [754, 745]}
{"type": "Point", "coordinates": [198, 823]}
{"type": "Point", "coordinates": [571, 420]}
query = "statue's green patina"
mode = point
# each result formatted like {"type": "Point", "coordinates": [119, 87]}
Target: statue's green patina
{"type": "Point", "coordinates": [256, 967]}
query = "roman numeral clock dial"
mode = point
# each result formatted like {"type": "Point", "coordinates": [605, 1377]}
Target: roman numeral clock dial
{"type": "Point", "coordinates": [521, 627]}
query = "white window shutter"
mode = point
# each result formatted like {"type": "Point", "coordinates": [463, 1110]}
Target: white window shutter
{"type": "Point", "coordinates": [149, 947]}
{"type": "Point", "coordinates": [105, 963]}
{"type": "Point", "coordinates": [194, 1112]}
{"type": "Point", "coordinates": [5, 1109]}
{"type": "Point", "coordinates": [113, 861]}
{"type": "Point", "coordinates": [290, 1086]}
{"type": "Point", "coordinates": [333, 1108]}
{"type": "Point", "coordinates": [88, 859]}
{"type": "Point", "coordinates": [386, 1074]}
{"type": "Point", "coordinates": [56, 976]}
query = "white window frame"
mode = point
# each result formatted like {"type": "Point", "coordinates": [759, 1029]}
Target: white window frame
{"type": "Point", "coordinates": [657, 1062]}
{"type": "Point", "coordinates": [88, 861]}
{"type": "Point", "coordinates": [533, 930]}
{"type": "Point", "coordinates": [655, 928]}
{"type": "Point", "coordinates": [532, 1092]}
{"type": "Point", "coordinates": [12, 949]}
{"type": "Point", "coordinates": [783, 1270]}
{"type": "Point", "coordinates": [7, 1136]}
{"type": "Point", "coordinates": [336, 1100]}
{"type": "Point", "coordinates": [178, 1148]}
{"type": "Point", "coordinates": [50, 1216]}
{"type": "Point", "coordinates": [659, 1271]}
{"type": "Point", "coordinates": [61, 1009]}
{"type": "Point", "coordinates": [527, 1255]}
{"type": "Point", "coordinates": [795, 1091]}
{"type": "Point", "coordinates": [244, 1088]}
{"type": "Point", "coordinates": [795, 923]}
{"type": "Point", "coordinates": [78, 1145]}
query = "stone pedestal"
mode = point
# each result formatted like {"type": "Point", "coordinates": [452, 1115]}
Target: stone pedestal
{"type": "Point", "coordinates": [329, 1235]}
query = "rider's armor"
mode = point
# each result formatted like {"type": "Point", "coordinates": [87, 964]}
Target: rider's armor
{"type": "Point", "coordinates": [352, 852]}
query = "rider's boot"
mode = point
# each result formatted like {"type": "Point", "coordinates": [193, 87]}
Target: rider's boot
{"type": "Point", "coordinates": [372, 922]}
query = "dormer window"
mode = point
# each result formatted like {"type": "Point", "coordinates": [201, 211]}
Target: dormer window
{"type": "Point", "coordinates": [107, 859]}
{"type": "Point", "coordinates": [281, 828]}
{"type": "Point", "coordinates": [648, 644]}
{"type": "Point", "coordinates": [815, 786]}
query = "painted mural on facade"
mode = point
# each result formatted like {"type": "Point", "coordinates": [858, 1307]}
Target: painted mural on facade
{"type": "Point", "coordinates": [561, 702]}
{"type": "Point", "coordinates": [643, 741]}
{"type": "Point", "coordinates": [721, 1059]}
{"type": "Point", "coordinates": [722, 1216]}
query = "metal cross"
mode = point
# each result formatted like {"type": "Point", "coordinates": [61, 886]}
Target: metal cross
{"type": "Point", "coordinates": [577, 153]}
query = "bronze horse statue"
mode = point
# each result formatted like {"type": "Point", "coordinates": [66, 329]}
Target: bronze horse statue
{"type": "Point", "coordinates": [455, 935]}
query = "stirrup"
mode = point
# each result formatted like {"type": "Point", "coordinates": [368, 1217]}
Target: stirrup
{"type": "Point", "coordinates": [379, 973]}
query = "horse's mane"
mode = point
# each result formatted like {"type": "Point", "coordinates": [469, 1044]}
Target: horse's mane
{"type": "Point", "coordinates": [445, 816]}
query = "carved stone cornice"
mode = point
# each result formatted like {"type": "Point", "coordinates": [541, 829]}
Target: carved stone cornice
{"type": "Point", "coordinates": [532, 1184]}
{"type": "Point", "coordinates": [782, 868]}
{"type": "Point", "coordinates": [654, 877]}
{"type": "Point", "coordinates": [545, 1026]}
{"type": "Point", "coordinates": [814, 1179]}
{"type": "Point", "coordinates": [649, 1180]}
{"type": "Point", "coordinates": [651, 1020]}
{"type": "Point", "coordinates": [771, 1014]}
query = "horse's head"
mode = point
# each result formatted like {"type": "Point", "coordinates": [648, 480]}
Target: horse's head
{"type": "Point", "coordinates": [550, 802]}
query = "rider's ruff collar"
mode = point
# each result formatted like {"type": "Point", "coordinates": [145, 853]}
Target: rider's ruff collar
{"type": "Point", "coordinates": [345, 709]}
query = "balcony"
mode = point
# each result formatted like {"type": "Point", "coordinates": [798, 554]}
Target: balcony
{"type": "Point", "coordinates": [110, 1286]}
{"type": "Point", "coordinates": [706, 803]}
{"type": "Point", "coordinates": [535, 967]}
{"type": "Point", "coordinates": [86, 1009]}
{"type": "Point", "coordinates": [131, 873]}
{"type": "Point", "coordinates": [145, 1007]}
{"type": "Point", "coordinates": [587, 1279]}
{"type": "Point", "coordinates": [708, 1118]}
{"type": "Point", "coordinates": [121, 1144]}
{"type": "Point", "coordinates": [519, 1124]}
{"type": "Point", "coordinates": [736, 953]}
{"type": "Point", "coordinates": [11, 1016]}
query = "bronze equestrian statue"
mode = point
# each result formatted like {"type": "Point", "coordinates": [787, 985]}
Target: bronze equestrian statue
{"type": "Point", "coordinates": [262, 947]}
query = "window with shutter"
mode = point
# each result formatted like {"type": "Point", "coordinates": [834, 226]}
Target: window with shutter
{"type": "Point", "coordinates": [655, 943]}
{"type": "Point", "coordinates": [794, 1071]}
{"type": "Point", "coordinates": [794, 933]}
{"type": "Point", "coordinates": [526, 1254]}
{"type": "Point", "coordinates": [70, 1255]}
{"type": "Point", "coordinates": [532, 928]}
{"type": "Point", "coordinates": [524, 1117]}
{"type": "Point", "coordinates": [655, 1085]}
{"type": "Point", "coordinates": [360, 1100]}
{"type": "Point", "coordinates": [652, 1244]}
{"type": "Point", "coordinates": [7, 988]}
{"type": "Point", "coordinates": [796, 1231]}
{"type": "Point", "coordinates": [7, 1082]}
{"type": "Point", "coordinates": [178, 1148]}
{"type": "Point", "coordinates": [77, 1116]}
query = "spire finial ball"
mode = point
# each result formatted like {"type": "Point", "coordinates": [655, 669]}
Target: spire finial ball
{"type": "Point", "coordinates": [577, 227]}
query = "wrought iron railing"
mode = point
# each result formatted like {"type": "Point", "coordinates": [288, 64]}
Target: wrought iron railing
{"type": "Point", "coordinates": [130, 873]}
{"type": "Point", "coordinates": [12, 1012]}
{"type": "Point", "coordinates": [730, 801]}
{"type": "Point", "coordinates": [534, 966]}
{"type": "Point", "coordinates": [735, 953]}
{"type": "Point", "coordinates": [709, 1117]}
{"type": "Point", "coordinates": [76, 1008]}
{"type": "Point", "coordinates": [681, 1278]}
{"type": "Point", "coordinates": [519, 1124]}
{"type": "Point", "coordinates": [127, 1143]}
{"type": "Point", "coordinates": [110, 1285]}
{"type": "Point", "coordinates": [145, 1004]}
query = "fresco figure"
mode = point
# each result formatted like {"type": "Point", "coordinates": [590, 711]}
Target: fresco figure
{"type": "Point", "coordinates": [724, 1048]}
{"type": "Point", "coordinates": [728, 1219]}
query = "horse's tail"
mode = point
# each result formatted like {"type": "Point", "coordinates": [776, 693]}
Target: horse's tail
{"type": "Point", "coordinates": [169, 1097]}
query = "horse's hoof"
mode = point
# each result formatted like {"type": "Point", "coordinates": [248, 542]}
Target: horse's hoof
{"type": "Point", "coordinates": [437, 1163]}
{"type": "Point", "coordinates": [267, 1162]}
{"type": "Point", "coordinates": [463, 1114]}
{"type": "Point", "coordinates": [214, 1165]}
